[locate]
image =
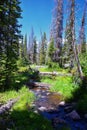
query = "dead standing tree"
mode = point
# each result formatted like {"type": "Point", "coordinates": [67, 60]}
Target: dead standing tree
{"type": "Point", "coordinates": [72, 23]}
{"type": "Point", "coordinates": [58, 30]}
{"type": "Point", "coordinates": [82, 38]}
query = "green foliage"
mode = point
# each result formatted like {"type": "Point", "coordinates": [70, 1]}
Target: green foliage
{"type": "Point", "coordinates": [51, 49]}
{"type": "Point", "coordinates": [53, 65]}
{"type": "Point", "coordinates": [22, 62]}
{"type": "Point", "coordinates": [22, 115]}
{"type": "Point", "coordinates": [34, 75]}
{"type": "Point", "coordinates": [9, 40]}
{"type": "Point", "coordinates": [83, 61]}
{"type": "Point", "coordinates": [61, 84]}
{"type": "Point", "coordinates": [82, 104]}
{"type": "Point", "coordinates": [35, 51]}
{"type": "Point", "coordinates": [43, 49]}
{"type": "Point", "coordinates": [24, 94]}
{"type": "Point", "coordinates": [26, 120]}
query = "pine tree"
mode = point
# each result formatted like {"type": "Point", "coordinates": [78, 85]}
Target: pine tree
{"type": "Point", "coordinates": [35, 51]}
{"type": "Point", "coordinates": [10, 35]}
{"type": "Point", "coordinates": [51, 49]}
{"type": "Point", "coordinates": [43, 49]}
{"type": "Point", "coordinates": [3, 19]}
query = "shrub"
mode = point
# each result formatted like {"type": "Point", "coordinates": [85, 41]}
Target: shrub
{"type": "Point", "coordinates": [83, 61]}
{"type": "Point", "coordinates": [82, 104]}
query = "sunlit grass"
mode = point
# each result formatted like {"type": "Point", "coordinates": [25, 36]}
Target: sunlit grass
{"type": "Point", "coordinates": [25, 97]}
{"type": "Point", "coordinates": [61, 84]}
{"type": "Point", "coordinates": [46, 69]}
{"type": "Point", "coordinates": [23, 117]}
{"type": "Point", "coordinates": [23, 69]}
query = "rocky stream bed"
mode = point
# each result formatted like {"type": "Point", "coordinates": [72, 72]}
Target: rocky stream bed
{"type": "Point", "coordinates": [62, 115]}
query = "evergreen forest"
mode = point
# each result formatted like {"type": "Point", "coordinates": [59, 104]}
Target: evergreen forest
{"type": "Point", "coordinates": [43, 82]}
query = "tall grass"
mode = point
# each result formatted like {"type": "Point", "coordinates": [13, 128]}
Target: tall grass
{"type": "Point", "coordinates": [61, 84]}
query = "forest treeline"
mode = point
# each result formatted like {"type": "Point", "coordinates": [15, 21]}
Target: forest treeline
{"type": "Point", "coordinates": [17, 50]}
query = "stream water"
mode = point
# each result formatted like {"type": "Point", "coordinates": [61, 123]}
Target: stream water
{"type": "Point", "coordinates": [48, 104]}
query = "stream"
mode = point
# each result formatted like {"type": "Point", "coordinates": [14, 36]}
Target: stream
{"type": "Point", "coordinates": [51, 106]}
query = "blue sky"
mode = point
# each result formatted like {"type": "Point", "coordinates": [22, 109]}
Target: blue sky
{"type": "Point", "coordinates": [38, 14]}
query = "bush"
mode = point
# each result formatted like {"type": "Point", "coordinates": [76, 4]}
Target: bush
{"type": "Point", "coordinates": [82, 104]}
{"type": "Point", "coordinates": [22, 62]}
{"type": "Point", "coordinates": [53, 65]}
{"type": "Point", "coordinates": [83, 61]}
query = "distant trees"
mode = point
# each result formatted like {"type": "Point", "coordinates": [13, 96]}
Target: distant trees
{"type": "Point", "coordinates": [13, 46]}
{"type": "Point", "coordinates": [43, 48]}
{"type": "Point", "coordinates": [10, 12]}
{"type": "Point", "coordinates": [35, 51]}
{"type": "Point", "coordinates": [31, 46]}
{"type": "Point", "coordinates": [51, 49]}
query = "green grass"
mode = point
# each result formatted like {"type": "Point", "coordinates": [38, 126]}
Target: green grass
{"type": "Point", "coordinates": [61, 84]}
{"type": "Point", "coordinates": [69, 90]}
{"type": "Point", "coordinates": [23, 69]}
{"type": "Point", "coordinates": [21, 114]}
{"type": "Point", "coordinates": [27, 120]}
{"type": "Point", "coordinates": [46, 69]}
{"type": "Point", "coordinates": [24, 94]}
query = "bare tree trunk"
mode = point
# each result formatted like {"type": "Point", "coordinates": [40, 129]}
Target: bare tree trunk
{"type": "Point", "coordinates": [58, 29]}
{"type": "Point", "coordinates": [73, 40]}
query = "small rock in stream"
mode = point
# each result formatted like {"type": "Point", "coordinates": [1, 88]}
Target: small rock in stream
{"type": "Point", "coordinates": [73, 115]}
{"type": "Point", "coordinates": [62, 103]}
{"type": "Point", "coordinates": [85, 116]}
{"type": "Point", "coordinates": [57, 121]}
{"type": "Point", "coordinates": [42, 109]}
{"type": "Point", "coordinates": [47, 93]}
{"type": "Point", "coordinates": [68, 108]}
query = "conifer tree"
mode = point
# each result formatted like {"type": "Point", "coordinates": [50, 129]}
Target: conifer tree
{"type": "Point", "coordinates": [35, 51]}
{"type": "Point", "coordinates": [10, 34]}
{"type": "Point", "coordinates": [43, 48]}
{"type": "Point", "coordinates": [51, 49]}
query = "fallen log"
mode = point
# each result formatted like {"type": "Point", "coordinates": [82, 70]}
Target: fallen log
{"type": "Point", "coordinates": [6, 107]}
{"type": "Point", "coordinates": [54, 74]}
{"type": "Point", "coordinates": [32, 84]}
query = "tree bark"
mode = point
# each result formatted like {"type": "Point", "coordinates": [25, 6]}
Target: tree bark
{"type": "Point", "coordinates": [6, 107]}
{"type": "Point", "coordinates": [73, 39]}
